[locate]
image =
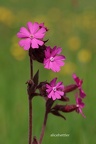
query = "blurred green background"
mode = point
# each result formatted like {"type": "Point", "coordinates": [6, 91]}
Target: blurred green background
{"type": "Point", "coordinates": [72, 26]}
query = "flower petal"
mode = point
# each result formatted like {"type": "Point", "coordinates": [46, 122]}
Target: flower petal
{"type": "Point", "coordinates": [55, 67]}
{"type": "Point", "coordinates": [60, 63]}
{"type": "Point", "coordinates": [35, 43]}
{"type": "Point", "coordinates": [53, 82]}
{"type": "Point", "coordinates": [57, 95]}
{"type": "Point", "coordinates": [58, 84]}
{"type": "Point", "coordinates": [25, 43]}
{"type": "Point", "coordinates": [76, 79]}
{"type": "Point", "coordinates": [23, 33]}
{"type": "Point", "coordinates": [46, 64]}
{"type": "Point", "coordinates": [82, 94]}
{"type": "Point", "coordinates": [30, 26]}
{"type": "Point", "coordinates": [48, 52]}
{"type": "Point", "coordinates": [35, 28]}
{"type": "Point", "coordinates": [61, 93]}
{"type": "Point", "coordinates": [40, 33]}
{"type": "Point", "coordinates": [56, 51]}
{"type": "Point", "coordinates": [51, 94]}
{"type": "Point", "coordinates": [60, 57]}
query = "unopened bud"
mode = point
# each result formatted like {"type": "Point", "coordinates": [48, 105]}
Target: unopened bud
{"type": "Point", "coordinates": [65, 108]}
{"type": "Point", "coordinates": [42, 88]}
{"type": "Point", "coordinates": [68, 108]}
{"type": "Point", "coordinates": [70, 88]}
{"type": "Point", "coordinates": [38, 54]}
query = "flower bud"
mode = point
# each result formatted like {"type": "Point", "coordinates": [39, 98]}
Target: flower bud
{"type": "Point", "coordinates": [30, 88]}
{"type": "Point", "coordinates": [65, 108]}
{"type": "Point", "coordinates": [70, 88]}
{"type": "Point", "coordinates": [42, 88]}
{"type": "Point", "coordinates": [68, 108]}
{"type": "Point", "coordinates": [38, 54]}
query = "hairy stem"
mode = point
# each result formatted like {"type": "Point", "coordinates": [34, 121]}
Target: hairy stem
{"type": "Point", "coordinates": [30, 100]}
{"type": "Point", "coordinates": [30, 121]}
{"type": "Point", "coordinates": [31, 68]}
{"type": "Point", "coordinates": [43, 127]}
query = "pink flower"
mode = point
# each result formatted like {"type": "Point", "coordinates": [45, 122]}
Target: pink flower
{"type": "Point", "coordinates": [79, 105]}
{"type": "Point", "coordinates": [55, 91]}
{"type": "Point", "coordinates": [79, 83]}
{"type": "Point", "coordinates": [33, 36]}
{"type": "Point", "coordinates": [52, 59]}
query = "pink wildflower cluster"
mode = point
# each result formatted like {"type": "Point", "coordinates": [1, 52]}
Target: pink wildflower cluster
{"type": "Point", "coordinates": [32, 39]}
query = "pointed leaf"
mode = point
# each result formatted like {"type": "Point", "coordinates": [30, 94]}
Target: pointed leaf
{"type": "Point", "coordinates": [58, 114]}
{"type": "Point", "coordinates": [49, 104]}
{"type": "Point", "coordinates": [36, 78]}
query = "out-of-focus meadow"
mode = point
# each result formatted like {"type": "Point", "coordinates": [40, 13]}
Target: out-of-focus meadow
{"type": "Point", "coordinates": [72, 25]}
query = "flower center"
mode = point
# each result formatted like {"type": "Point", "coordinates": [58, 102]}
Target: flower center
{"type": "Point", "coordinates": [77, 105]}
{"type": "Point", "coordinates": [51, 59]}
{"type": "Point", "coordinates": [31, 36]}
{"type": "Point", "coordinates": [54, 89]}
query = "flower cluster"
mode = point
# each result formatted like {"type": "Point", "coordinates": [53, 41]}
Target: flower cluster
{"type": "Point", "coordinates": [32, 39]}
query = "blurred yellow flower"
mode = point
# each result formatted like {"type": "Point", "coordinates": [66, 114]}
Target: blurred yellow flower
{"type": "Point", "coordinates": [68, 68]}
{"type": "Point", "coordinates": [86, 21]}
{"type": "Point", "coordinates": [17, 52]}
{"type": "Point", "coordinates": [74, 43]}
{"type": "Point", "coordinates": [84, 55]}
{"type": "Point", "coordinates": [6, 16]}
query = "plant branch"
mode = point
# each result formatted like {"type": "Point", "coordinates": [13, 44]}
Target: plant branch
{"type": "Point", "coordinates": [30, 121]}
{"type": "Point", "coordinates": [31, 68]}
{"type": "Point", "coordinates": [43, 127]}
{"type": "Point", "coordinates": [30, 99]}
